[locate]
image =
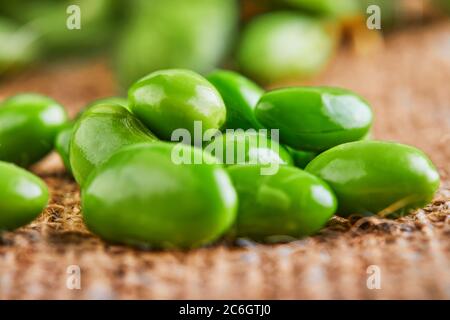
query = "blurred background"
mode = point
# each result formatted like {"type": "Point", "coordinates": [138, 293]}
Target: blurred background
{"type": "Point", "coordinates": [271, 41]}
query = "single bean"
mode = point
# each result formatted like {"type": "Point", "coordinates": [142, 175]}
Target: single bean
{"type": "Point", "coordinates": [168, 100]}
{"type": "Point", "coordinates": [289, 203]}
{"type": "Point", "coordinates": [240, 96]}
{"type": "Point", "coordinates": [101, 131]}
{"type": "Point", "coordinates": [195, 35]}
{"type": "Point", "coordinates": [23, 196]}
{"type": "Point", "coordinates": [141, 197]}
{"type": "Point", "coordinates": [240, 147]}
{"type": "Point", "coordinates": [62, 145]}
{"type": "Point", "coordinates": [315, 118]}
{"type": "Point", "coordinates": [302, 158]}
{"type": "Point", "coordinates": [375, 177]}
{"type": "Point", "coordinates": [29, 124]}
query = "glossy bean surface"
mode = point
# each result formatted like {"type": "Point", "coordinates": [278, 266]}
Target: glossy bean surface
{"type": "Point", "coordinates": [375, 177]}
{"type": "Point", "coordinates": [101, 131]}
{"type": "Point", "coordinates": [315, 118]}
{"type": "Point", "coordinates": [240, 96]}
{"type": "Point", "coordinates": [290, 203]}
{"type": "Point", "coordinates": [141, 197]}
{"type": "Point", "coordinates": [29, 124]}
{"type": "Point", "coordinates": [23, 196]}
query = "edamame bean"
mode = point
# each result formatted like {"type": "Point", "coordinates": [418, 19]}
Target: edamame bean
{"type": "Point", "coordinates": [285, 45]}
{"type": "Point", "coordinates": [101, 131]}
{"type": "Point", "coordinates": [173, 99]}
{"type": "Point", "coordinates": [240, 96]}
{"type": "Point", "coordinates": [375, 177]}
{"type": "Point", "coordinates": [240, 147]}
{"type": "Point", "coordinates": [141, 197]}
{"type": "Point", "coordinates": [194, 35]}
{"type": "Point", "coordinates": [62, 145]}
{"type": "Point", "coordinates": [28, 126]}
{"type": "Point", "coordinates": [331, 8]}
{"type": "Point", "coordinates": [315, 118]}
{"type": "Point", "coordinates": [23, 196]}
{"type": "Point", "coordinates": [121, 101]}
{"type": "Point", "coordinates": [62, 142]}
{"type": "Point", "coordinates": [290, 203]}
{"type": "Point", "coordinates": [302, 158]}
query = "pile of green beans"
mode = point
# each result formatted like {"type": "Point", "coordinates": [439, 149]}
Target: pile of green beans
{"type": "Point", "coordinates": [134, 190]}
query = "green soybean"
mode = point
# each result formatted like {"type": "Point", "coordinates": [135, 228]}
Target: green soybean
{"type": "Point", "coordinates": [285, 45]}
{"type": "Point", "coordinates": [240, 147]}
{"type": "Point", "coordinates": [315, 118]}
{"type": "Point", "coordinates": [194, 35]}
{"type": "Point", "coordinates": [19, 47]}
{"type": "Point", "coordinates": [110, 100]}
{"type": "Point", "coordinates": [62, 145]}
{"type": "Point", "coordinates": [101, 131]}
{"type": "Point", "coordinates": [62, 142]}
{"type": "Point", "coordinates": [28, 126]}
{"type": "Point", "coordinates": [23, 196]}
{"type": "Point", "coordinates": [141, 197]}
{"type": "Point", "coordinates": [443, 4]}
{"type": "Point", "coordinates": [240, 96]}
{"type": "Point", "coordinates": [375, 177]}
{"type": "Point", "coordinates": [290, 203]}
{"type": "Point", "coordinates": [168, 100]}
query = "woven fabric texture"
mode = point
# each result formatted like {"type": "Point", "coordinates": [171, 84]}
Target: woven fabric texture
{"type": "Point", "coordinates": [407, 81]}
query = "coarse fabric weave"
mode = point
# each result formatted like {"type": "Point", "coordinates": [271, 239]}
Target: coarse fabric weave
{"type": "Point", "coordinates": [408, 83]}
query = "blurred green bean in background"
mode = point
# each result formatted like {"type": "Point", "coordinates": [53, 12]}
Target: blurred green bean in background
{"type": "Point", "coordinates": [268, 40]}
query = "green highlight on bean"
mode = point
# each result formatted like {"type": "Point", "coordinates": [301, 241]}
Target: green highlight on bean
{"type": "Point", "coordinates": [240, 96]}
{"type": "Point", "coordinates": [101, 131]}
{"type": "Point", "coordinates": [29, 124]}
{"type": "Point", "coordinates": [168, 100]}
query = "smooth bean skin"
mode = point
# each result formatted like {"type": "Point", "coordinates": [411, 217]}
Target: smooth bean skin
{"type": "Point", "coordinates": [290, 203]}
{"type": "Point", "coordinates": [141, 197]}
{"type": "Point", "coordinates": [239, 147]}
{"type": "Point", "coordinates": [315, 118]}
{"type": "Point", "coordinates": [20, 46]}
{"type": "Point", "coordinates": [173, 99]}
{"type": "Point", "coordinates": [375, 177]}
{"type": "Point", "coordinates": [29, 124]}
{"type": "Point", "coordinates": [443, 4]}
{"type": "Point", "coordinates": [195, 35]}
{"type": "Point", "coordinates": [240, 96]}
{"type": "Point", "coordinates": [101, 131]}
{"type": "Point", "coordinates": [302, 158]}
{"type": "Point", "coordinates": [285, 45]}
{"type": "Point", "coordinates": [23, 196]}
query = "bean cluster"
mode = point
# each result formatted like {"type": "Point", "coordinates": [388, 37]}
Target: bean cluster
{"type": "Point", "coordinates": [135, 190]}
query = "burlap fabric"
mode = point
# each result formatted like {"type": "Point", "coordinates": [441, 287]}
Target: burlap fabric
{"type": "Point", "coordinates": [408, 83]}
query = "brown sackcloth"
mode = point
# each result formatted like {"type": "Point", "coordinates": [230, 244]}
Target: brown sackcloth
{"type": "Point", "coordinates": [408, 83]}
